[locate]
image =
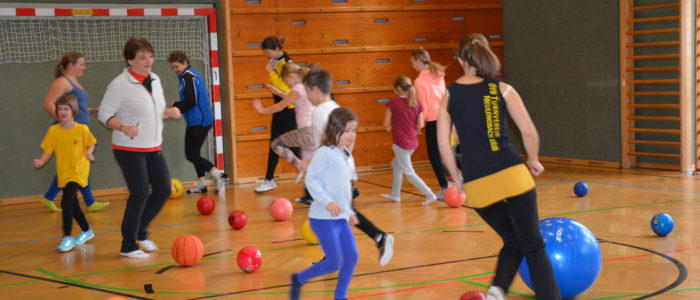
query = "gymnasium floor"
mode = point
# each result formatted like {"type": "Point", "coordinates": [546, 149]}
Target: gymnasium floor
{"type": "Point", "coordinates": [440, 252]}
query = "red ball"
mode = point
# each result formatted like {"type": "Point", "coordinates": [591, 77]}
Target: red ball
{"type": "Point", "coordinates": [187, 250]}
{"type": "Point", "coordinates": [281, 209]}
{"type": "Point", "coordinates": [453, 198]}
{"type": "Point", "coordinates": [237, 219]}
{"type": "Point", "coordinates": [206, 205]}
{"type": "Point", "coordinates": [249, 259]}
{"type": "Point", "coordinates": [472, 295]}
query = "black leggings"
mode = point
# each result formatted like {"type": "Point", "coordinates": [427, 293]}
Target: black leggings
{"type": "Point", "coordinates": [194, 139]}
{"type": "Point", "coordinates": [71, 209]}
{"type": "Point", "coordinates": [434, 153]}
{"type": "Point", "coordinates": [282, 122]}
{"type": "Point", "coordinates": [141, 170]}
{"type": "Point", "coordinates": [517, 222]}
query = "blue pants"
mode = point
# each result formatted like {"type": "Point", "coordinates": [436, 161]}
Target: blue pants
{"type": "Point", "coordinates": [53, 191]}
{"type": "Point", "coordinates": [338, 243]}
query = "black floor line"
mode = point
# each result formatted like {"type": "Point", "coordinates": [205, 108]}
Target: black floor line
{"type": "Point", "coordinates": [356, 275]}
{"type": "Point", "coordinates": [73, 284]}
{"type": "Point", "coordinates": [388, 187]}
{"type": "Point", "coordinates": [682, 270]}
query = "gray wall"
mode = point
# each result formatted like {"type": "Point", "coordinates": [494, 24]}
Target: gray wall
{"type": "Point", "coordinates": [25, 121]}
{"type": "Point", "coordinates": [563, 58]}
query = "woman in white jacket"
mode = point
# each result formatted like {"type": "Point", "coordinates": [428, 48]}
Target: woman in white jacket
{"type": "Point", "coordinates": [134, 107]}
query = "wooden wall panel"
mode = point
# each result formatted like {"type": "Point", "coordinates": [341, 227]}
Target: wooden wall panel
{"type": "Point", "coordinates": [248, 5]}
{"type": "Point", "coordinates": [360, 70]}
{"type": "Point", "coordinates": [380, 36]}
{"type": "Point", "coordinates": [363, 29]}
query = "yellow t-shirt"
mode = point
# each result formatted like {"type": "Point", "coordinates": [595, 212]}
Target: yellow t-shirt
{"type": "Point", "coordinates": [70, 146]}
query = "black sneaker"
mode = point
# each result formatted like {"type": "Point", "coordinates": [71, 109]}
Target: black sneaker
{"type": "Point", "coordinates": [197, 190]}
{"type": "Point", "coordinates": [386, 249]}
{"type": "Point", "coordinates": [304, 200]}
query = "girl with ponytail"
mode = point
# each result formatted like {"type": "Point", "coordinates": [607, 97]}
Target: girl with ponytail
{"type": "Point", "coordinates": [430, 88]}
{"type": "Point", "coordinates": [498, 185]}
{"type": "Point", "coordinates": [404, 119]}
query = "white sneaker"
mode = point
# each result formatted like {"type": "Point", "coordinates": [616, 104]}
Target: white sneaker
{"type": "Point", "coordinates": [265, 186]}
{"type": "Point", "coordinates": [495, 293]}
{"type": "Point", "coordinates": [220, 181]}
{"type": "Point", "coordinates": [386, 249]}
{"type": "Point", "coordinates": [136, 254]}
{"type": "Point", "coordinates": [148, 245]}
{"type": "Point", "coordinates": [391, 197]}
{"type": "Point", "coordinates": [428, 201]}
{"type": "Point", "coordinates": [441, 195]}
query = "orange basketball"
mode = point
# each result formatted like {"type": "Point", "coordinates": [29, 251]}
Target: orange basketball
{"type": "Point", "coordinates": [187, 250]}
{"type": "Point", "coordinates": [281, 209]}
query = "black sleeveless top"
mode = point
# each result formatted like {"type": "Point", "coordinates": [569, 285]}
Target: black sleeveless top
{"type": "Point", "coordinates": [480, 116]}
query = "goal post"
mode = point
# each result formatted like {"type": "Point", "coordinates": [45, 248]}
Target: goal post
{"type": "Point", "coordinates": [31, 35]}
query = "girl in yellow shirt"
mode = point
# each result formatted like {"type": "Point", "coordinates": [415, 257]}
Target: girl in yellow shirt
{"type": "Point", "coordinates": [74, 145]}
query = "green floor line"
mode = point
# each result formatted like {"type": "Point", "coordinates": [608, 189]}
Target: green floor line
{"type": "Point", "coordinates": [19, 283]}
{"type": "Point", "coordinates": [301, 246]}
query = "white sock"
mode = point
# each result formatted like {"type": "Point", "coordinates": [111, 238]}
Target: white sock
{"type": "Point", "coordinates": [215, 172]}
{"type": "Point", "coordinates": [202, 182]}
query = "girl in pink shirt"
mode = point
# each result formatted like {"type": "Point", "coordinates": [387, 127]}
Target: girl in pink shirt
{"type": "Point", "coordinates": [430, 88]}
{"type": "Point", "coordinates": [404, 119]}
{"type": "Point", "coordinates": [302, 137]}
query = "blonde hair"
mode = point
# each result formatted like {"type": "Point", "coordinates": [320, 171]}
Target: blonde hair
{"type": "Point", "coordinates": [292, 68]}
{"type": "Point", "coordinates": [423, 56]}
{"type": "Point", "coordinates": [70, 57]}
{"type": "Point", "coordinates": [403, 83]}
{"type": "Point", "coordinates": [474, 50]}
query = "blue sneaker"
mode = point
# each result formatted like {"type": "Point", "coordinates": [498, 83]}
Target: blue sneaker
{"type": "Point", "coordinates": [67, 243]}
{"type": "Point", "coordinates": [84, 237]}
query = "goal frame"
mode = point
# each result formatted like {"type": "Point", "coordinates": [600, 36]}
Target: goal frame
{"type": "Point", "coordinates": [208, 13]}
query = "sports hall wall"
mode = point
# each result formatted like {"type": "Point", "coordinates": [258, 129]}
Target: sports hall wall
{"type": "Point", "coordinates": [364, 44]}
{"type": "Point", "coordinates": [25, 123]}
{"type": "Point", "coordinates": [564, 62]}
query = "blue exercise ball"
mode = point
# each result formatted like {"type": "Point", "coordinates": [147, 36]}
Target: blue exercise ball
{"type": "Point", "coordinates": [581, 189]}
{"type": "Point", "coordinates": [662, 224]}
{"type": "Point", "coordinates": [574, 252]}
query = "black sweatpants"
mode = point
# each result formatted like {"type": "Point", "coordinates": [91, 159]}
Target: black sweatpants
{"type": "Point", "coordinates": [194, 139]}
{"type": "Point", "coordinates": [70, 209]}
{"type": "Point", "coordinates": [282, 122]}
{"type": "Point", "coordinates": [142, 170]}
{"type": "Point", "coordinates": [434, 153]}
{"type": "Point", "coordinates": [517, 222]}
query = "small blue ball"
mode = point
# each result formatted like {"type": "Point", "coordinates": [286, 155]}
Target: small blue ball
{"type": "Point", "coordinates": [581, 189]}
{"type": "Point", "coordinates": [662, 224]}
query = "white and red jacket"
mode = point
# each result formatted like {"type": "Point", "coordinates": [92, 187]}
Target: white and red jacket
{"type": "Point", "coordinates": [127, 99]}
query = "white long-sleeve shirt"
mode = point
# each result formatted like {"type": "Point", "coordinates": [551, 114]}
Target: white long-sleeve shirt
{"type": "Point", "coordinates": [328, 179]}
{"type": "Point", "coordinates": [128, 100]}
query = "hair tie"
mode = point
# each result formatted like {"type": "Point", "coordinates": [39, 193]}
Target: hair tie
{"type": "Point", "coordinates": [476, 41]}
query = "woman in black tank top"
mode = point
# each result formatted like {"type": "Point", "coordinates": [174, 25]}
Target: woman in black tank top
{"type": "Point", "coordinates": [498, 185]}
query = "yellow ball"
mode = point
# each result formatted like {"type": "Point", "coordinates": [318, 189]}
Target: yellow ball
{"type": "Point", "coordinates": [177, 188]}
{"type": "Point", "coordinates": [308, 234]}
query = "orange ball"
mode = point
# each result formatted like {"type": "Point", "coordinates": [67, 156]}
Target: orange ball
{"type": "Point", "coordinates": [187, 250]}
{"type": "Point", "coordinates": [281, 209]}
{"type": "Point", "coordinates": [453, 198]}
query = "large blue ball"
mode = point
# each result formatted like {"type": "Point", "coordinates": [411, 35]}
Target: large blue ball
{"type": "Point", "coordinates": [662, 224]}
{"type": "Point", "coordinates": [574, 253]}
{"type": "Point", "coordinates": [581, 189]}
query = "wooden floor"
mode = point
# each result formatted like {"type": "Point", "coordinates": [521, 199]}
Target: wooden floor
{"type": "Point", "coordinates": [440, 252]}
